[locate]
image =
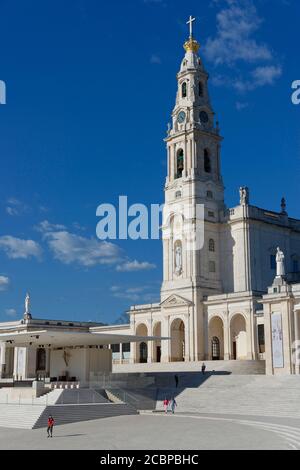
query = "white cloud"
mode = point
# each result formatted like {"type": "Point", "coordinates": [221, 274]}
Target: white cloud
{"type": "Point", "coordinates": [70, 248]}
{"type": "Point", "coordinates": [46, 226]}
{"type": "Point", "coordinates": [17, 248]}
{"type": "Point", "coordinates": [235, 45]}
{"type": "Point", "coordinates": [16, 207]}
{"type": "Point", "coordinates": [134, 294]}
{"type": "Point", "coordinates": [130, 266]}
{"type": "Point", "coordinates": [11, 312]}
{"type": "Point", "coordinates": [266, 75]}
{"type": "Point", "coordinates": [4, 283]}
{"type": "Point", "coordinates": [236, 24]}
{"type": "Point", "coordinates": [261, 76]}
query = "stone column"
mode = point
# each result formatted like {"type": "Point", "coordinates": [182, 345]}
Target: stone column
{"type": "Point", "coordinates": [165, 345]}
{"type": "Point", "coordinates": [3, 359]}
{"type": "Point", "coordinates": [296, 339]}
{"type": "Point", "coordinates": [48, 364]}
{"type": "Point", "coordinates": [226, 335]}
{"type": "Point", "coordinates": [186, 338]}
{"type": "Point", "coordinates": [249, 335]}
{"type": "Point", "coordinates": [121, 354]}
{"type": "Point", "coordinates": [149, 343]}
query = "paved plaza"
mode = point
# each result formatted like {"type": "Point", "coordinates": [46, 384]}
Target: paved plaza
{"type": "Point", "coordinates": [159, 431]}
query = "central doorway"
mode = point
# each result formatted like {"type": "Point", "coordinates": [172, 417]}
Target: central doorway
{"type": "Point", "coordinates": [234, 355]}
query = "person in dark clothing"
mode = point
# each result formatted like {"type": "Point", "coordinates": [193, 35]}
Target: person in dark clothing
{"type": "Point", "coordinates": [203, 368]}
{"type": "Point", "coordinates": [176, 380]}
{"type": "Point", "coordinates": [173, 405]}
{"type": "Point", "coordinates": [50, 426]}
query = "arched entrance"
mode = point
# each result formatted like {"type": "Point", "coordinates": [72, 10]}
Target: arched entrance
{"type": "Point", "coordinates": [177, 341]}
{"type": "Point", "coordinates": [238, 335]}
{"type": "Point", "coordinates": [216, 339]}
{"type": "Point", "coordinates": [142, 347]}
{"type": "Point", "coordinates": [143, 353]}
{"type": "Point", "coordinates": [157, 342]}
{"type": "Point", "coordinates": [215, 349]}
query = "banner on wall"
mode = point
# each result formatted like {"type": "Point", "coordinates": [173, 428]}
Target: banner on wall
{"type": "Point", "coordinates": [277, 340]}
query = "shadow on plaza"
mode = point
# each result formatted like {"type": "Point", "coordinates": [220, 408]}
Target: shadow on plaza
{"type": "Point", "coordinates": [164, 386]}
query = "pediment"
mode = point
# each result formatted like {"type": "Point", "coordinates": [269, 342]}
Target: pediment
{"type": "Point", "coordinates": [175, 301]}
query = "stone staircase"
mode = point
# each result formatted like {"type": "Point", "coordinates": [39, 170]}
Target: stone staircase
{"type": "Point", "coordinates": [66, 406]}
{"type": "Point", "coordinates": [238, 395]}
{"type": "Point", "coordinates": [64, 414]}
{"type": "Point", "coordinates": [20, 416]}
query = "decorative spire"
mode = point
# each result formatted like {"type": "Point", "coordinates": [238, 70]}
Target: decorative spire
{"type": "Point", "coordinates": [191, 45]}
{"type": "Point", "coordinates": [283, 206]}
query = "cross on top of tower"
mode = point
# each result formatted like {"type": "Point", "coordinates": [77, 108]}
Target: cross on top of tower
{"type": "Point", "coordinates": [190, 23]}
{"type": "Point", "coordinates": [191, 44]}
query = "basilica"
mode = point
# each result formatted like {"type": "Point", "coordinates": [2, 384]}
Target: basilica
{"type": "Point", "coordinates": [213, 302]}
{"type": "Point", "coordinates": [235, 297]}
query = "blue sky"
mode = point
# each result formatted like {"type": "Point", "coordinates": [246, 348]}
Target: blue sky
{"type": "Point", "coordinates": [90, 88]}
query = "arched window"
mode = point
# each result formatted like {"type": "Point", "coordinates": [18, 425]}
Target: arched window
{"type": "Point", "coordinates": [179, 163]}
{"type": "Point", "coordinates": [207, 162]}
{"type": "Point", "coordinates": [200, 89]}
{"type": "Point", "coordinates": [184, 90]}
{"type": "Point", "coordinates": [215, 344]}
{"type": "Point", "coordinates": [212, 246]}
{"type": "Point", "coordinates": [209, 195]}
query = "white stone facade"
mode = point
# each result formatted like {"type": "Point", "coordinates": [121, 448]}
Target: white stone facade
{"type": "Point", "coordinates": [211, 305]}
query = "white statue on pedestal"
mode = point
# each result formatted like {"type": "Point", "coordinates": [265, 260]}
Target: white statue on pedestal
{"type": "Point", "coordinates": [244, 196]}
{"type": "Point", "coordinates": [280, 270]}
{"type": "Point", "coordinates": [27, 314]}
{"type": "Point", "coordinates": [27, 303]}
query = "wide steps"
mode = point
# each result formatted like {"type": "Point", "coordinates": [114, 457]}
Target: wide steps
{"type": "Point", "coordinates": [20, 416]}
{"type": "Point", "coordinates": [244, 395]}
{"type": "Point", "coordinates": [64, 414]}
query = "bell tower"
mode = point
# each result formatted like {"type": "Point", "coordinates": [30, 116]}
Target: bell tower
{"type": "Point", "coordinates": [194, 178]}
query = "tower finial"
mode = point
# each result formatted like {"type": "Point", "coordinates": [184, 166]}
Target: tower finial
{"type": "Point", "coordinates": [191, 45]}
{"type": "Point", "coordinates": [190, 23]}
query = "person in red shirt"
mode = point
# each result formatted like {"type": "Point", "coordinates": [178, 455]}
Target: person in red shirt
{"type": "Point", "coordinates": [166, 404]}
{"type": "Point", "coordinates": [50, 426]}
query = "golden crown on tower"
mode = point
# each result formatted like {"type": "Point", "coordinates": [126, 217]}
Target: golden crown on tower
{"type": "Point", "coordinates": [191, 45]}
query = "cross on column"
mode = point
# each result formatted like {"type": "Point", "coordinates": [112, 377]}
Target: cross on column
{"type": "Point", "coordinates": [190, 23]}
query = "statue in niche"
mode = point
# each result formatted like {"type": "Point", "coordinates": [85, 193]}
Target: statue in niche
{"type": "Point", "coordinates": [178, 260]}
{"type": "Point", "coordinates": [66, 357]}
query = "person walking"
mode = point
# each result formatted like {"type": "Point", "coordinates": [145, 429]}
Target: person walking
{"type": "Point", "coordinates": [176, 380]}
{"type": "Point", "coordinates": [203, 368]}
{"type": "Point", "coordinates": [166, 404]}
{"type": "Point", "coordinates": [50, 426]}
{"type": "Point", "coordinates": [173, 405]}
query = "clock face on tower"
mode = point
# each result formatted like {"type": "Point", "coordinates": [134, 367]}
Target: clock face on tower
{"type": "Point", "coordinates": [204, 117]}
{"type": "Point", "coordinates": [181, 117]}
